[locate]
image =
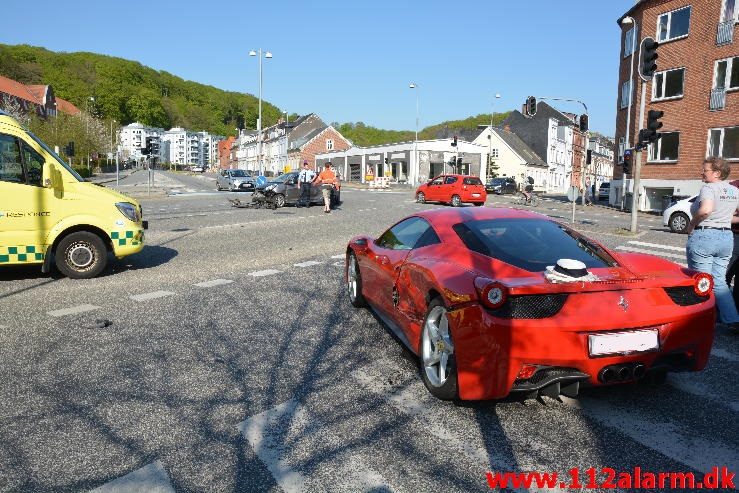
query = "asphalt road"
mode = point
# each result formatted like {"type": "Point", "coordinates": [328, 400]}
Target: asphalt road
{"type": "Point", "coordinates": [226, 357]}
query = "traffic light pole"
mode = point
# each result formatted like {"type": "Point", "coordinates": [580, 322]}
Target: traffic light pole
{"type": "Point", "coordinates": [637, 163]}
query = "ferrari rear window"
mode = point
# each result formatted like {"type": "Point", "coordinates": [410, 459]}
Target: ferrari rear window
{"type": "Point", "coordinates": [472, 181]}
{"type": "Point", "coordinates": [530, 244]}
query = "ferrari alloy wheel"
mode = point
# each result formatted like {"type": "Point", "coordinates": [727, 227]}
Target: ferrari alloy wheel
{"type": "Point", "coordinates": [421, 198]}
{"type": "Point", "coordinates": [438, 364]}
{"type": "Point", "coordinates": [279, 200]}
{"type": "Point", "coordinates": [81, 255]}
{"type": "Point", "coordinates": [456, 201]}
{"type": "Point", "coordinates": [354, 282]}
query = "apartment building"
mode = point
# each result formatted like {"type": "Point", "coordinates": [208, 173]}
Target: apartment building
{"type": "Point", "coordinates": [696, 85]}
{"type": "Point", "coordinates": [176, 146]}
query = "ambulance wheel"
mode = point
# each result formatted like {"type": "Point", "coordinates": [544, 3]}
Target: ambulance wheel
{"type": "Point", "coordinates": [81, 255]}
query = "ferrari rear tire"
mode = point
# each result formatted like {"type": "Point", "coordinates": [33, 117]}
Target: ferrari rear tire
{"type": "Point", "coordinates": [354, 282]}
{"type": "Point", "coordinates": [436, 355]}
{"type": "Point", "coordinates": [456, 201]}
{"type": "Point", "coordinates": [279, 200]}
{"type": "Point", "coordinates": [421, 198]}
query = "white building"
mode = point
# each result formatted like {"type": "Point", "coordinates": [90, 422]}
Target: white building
{"type": "Point", "coordinates": [512, 157]}
{"type": "Point", "coordinates": [132, 140]}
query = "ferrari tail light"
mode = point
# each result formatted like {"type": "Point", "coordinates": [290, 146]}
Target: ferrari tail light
{"type": "Point", "coordinates": [492, 294]}
{"type": "Point", "coordinates": [703, 284]}
{"type": "Point", "coordinates": [527, 371]}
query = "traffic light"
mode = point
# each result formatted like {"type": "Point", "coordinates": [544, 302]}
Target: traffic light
{"type": "Point", "coordinates": [387, 161]}
{"type": "Point", "coordinates": [648, 64]}
{"type": "Point", "coordinates": [583, 123]}
{"type": "Point", "coordinates": [459, 161]}
{"type": "Point", "coordinates": [454, 141]}
{"type": "Point", "coordinates": [69, 149]}
{"type": "Point", "coordinates": [589, 157]}
{"type": "Point", "coordinates": [530, 106]}
{"type": "Point", "coordinates": [627, 162]}
{"type": "Point", "coordinates": [650, 134]}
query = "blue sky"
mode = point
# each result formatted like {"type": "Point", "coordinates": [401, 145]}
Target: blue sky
{"type": "Point", "coordinates": [352, 60]}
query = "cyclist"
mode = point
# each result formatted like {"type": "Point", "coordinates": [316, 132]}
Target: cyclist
{"type": "Point", "coordinates": [528, 190]}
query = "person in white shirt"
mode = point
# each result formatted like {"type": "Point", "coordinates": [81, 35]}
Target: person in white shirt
{"type": "Point", "coordinates": [305, 179]}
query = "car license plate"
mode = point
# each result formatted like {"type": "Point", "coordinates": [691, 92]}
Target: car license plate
{"type": "Point", "coordinates": [475, 194]}
{"type": "Point", "coordinates": [634, 341]}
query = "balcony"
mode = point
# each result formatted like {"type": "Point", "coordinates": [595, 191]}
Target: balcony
{"type": "Point", "coordinates": [725, 33]}
{"type": "Point", "coordinates": [718, 99]}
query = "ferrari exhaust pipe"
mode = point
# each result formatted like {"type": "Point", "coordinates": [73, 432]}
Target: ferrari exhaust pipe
{"type": "Point", "coordinates": [639, 371]}
{"type": "Point", "coordinates": [624, 373]}
{"type": "Point", "coordinates": [607, 375]}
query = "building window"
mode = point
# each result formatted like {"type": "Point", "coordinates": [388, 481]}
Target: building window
{"type": "Point", "coordinates": [726, 74]}
{"type": "Point", "coordinates": [494, 153]}
{"type": "Point", "coordinates": [673, 25]}
{"type": "Point", "coordinates": [730, 12]}
{"type": "Point", "coordinates": [668, 84]}
{"type": "Point", "coordinates": [629, 42]}
{"type": "Point", "coordinates": [625, 94]}
{"type": "Point", "coordinates": [329, 144]}
{"type": "Point", "coordinates": [723, 142]}
{"type": "Point", "coordinates": [666, 148]}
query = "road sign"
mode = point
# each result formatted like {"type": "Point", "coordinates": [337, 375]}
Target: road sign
{"type": "Point", "coordinates": [573, 193]}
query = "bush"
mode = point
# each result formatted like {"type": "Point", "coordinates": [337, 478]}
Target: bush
{"type": "Point", "coordinates": [83, 171]}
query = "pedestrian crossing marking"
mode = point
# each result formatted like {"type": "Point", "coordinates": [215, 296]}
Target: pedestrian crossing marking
{"type": "Point", "coordinates": [308, 263]}
{"type": "Point", "coordinates": [266, 272]}
{"type": "Point", "coordinates": [655, 245]}
{"type": "Point", "coordinates": [651, 252]}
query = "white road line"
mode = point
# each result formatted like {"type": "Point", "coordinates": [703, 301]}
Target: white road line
{"type": "Point", "coordinates": [308, 263]}
{"type": "Point", "coordinates": [267, 433]}
{"type": "Point", "coordinates": [214, 282]}
{"type": "Point", "coordinates": [262, 273]}
{"type": "Point", "coordinates": [663, 437]}
{"type": "Point", "coordinates": [258, 432]}
{"type": "Point", "coordinates": [656, 245]}
{"type": "Point", "coordinates": [151, 296]}
{"type": "Point", "coordinates": [152, 479]}
{"type": "Point", "coordinates": [691, 384]}
{"type": "Point", "coordinates": [73, 310]}
{"type": "Point", "coordinates": [421, 405]}
{"type": "Point", "coordinates": [338, 264]}
{"type": "Point", "coordinates": [652, 252]}
{"type": "Point", "coordinates": [341, 255]}
{"type": "Point", "coordinates": [723, 354]}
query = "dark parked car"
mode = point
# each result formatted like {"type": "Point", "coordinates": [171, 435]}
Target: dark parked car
{"type": "Point", "coordinates": [287, 191]}
{"type": "Point", "coordinates": [604, 190]}
{"type": "Point", "coordinates": [501, 185]}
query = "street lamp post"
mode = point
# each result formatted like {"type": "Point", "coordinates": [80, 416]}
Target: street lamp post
{"type": "Point", "coordinates": [287, 140]}
{"type": "Point", "coordinates": [490, 137]}
{"type": "Point", "coordinates": [416, 165]}
{"type": "Point", "coordinates": [259, 118]}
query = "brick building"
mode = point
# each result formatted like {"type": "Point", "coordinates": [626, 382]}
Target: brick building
{"type": "Point", "coordinates": [37, 98]}
{"type": "Point", "coordinates": [696, 85]}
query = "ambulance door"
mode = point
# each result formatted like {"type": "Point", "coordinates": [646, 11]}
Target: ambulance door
{"type": "Point", "coordinates": [26, 206]}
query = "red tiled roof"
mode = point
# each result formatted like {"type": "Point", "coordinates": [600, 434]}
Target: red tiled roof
{"type": "Point", "coordinates": [38, 91]}
{"type": "Point", "coordinates": [66, 107]}
{"type": "Point", "coordinates": [21, 91]}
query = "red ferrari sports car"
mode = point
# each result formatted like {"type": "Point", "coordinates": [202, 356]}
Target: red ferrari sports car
{"type": "Point", "coordinates": [495, 301]}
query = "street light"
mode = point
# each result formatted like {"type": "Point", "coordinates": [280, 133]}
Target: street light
{"type": "Point", "coordinates": [416, 165]}
{"type": "Point", "coordinates": [259, 119]}
{"type": "Point", "coordinates": [490, 137]}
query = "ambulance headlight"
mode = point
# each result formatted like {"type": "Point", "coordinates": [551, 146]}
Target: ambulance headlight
{"type": "Point", "coordinates": [129, 210]}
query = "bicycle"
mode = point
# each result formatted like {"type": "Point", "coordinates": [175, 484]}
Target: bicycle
{"type": "Point", "coordinates": [521, 199]}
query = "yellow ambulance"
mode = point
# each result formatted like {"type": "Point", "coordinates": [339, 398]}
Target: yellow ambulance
{"type": "Point", "coordinates": [48, 212]}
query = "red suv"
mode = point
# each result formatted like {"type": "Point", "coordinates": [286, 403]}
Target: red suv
{"type": "Point", "coordinates": [453, 189]}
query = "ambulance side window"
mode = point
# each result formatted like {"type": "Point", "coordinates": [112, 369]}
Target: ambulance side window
{"type": "Point", "coordinates": [11, 168]}
{"type": "Point", "coordinates": [34, 165]}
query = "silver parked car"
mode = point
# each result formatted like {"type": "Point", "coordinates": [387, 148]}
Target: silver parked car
{"type": "Point", "coordinates": [235, 180]}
